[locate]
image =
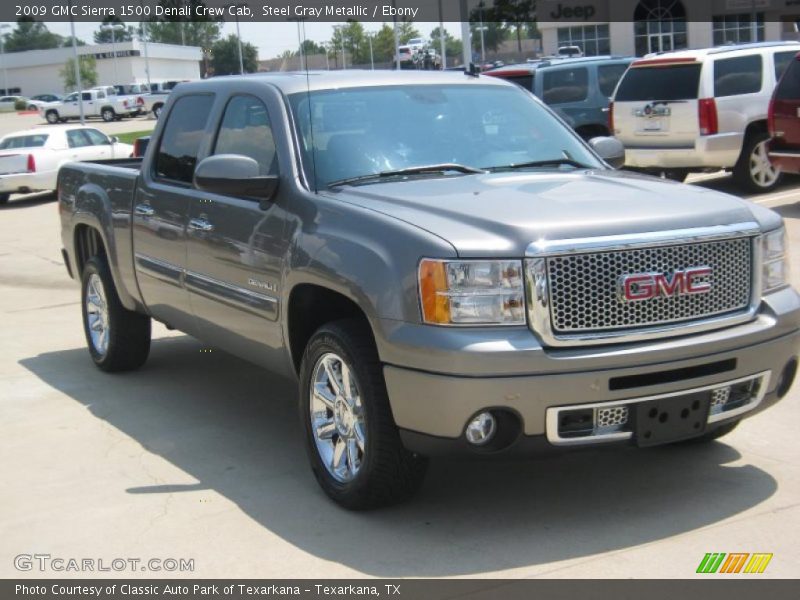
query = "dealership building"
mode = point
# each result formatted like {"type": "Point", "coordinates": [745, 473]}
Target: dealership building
{"type": "Point", "coordinates": [39, 71]}
{"type": "Point", "coordinates": [639, 27]}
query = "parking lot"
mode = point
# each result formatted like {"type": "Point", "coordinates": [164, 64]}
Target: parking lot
{"type": "Point", "coordinates": [199, 456]}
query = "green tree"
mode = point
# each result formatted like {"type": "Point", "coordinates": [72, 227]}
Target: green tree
{"type": "Point", "coordinates": [31, 35]}
{"type": "Point", "coordinates": [88, 66]}
{"type": "Point", "coordinates": [514, 14]}
{"type": "Point", "coordinates": [121, 34]}
{"type": "Point", "coordinates": [383, 44]}
{"type": "Point", "coordinates": [225, 56]}
{"type": "Point", "coordinates": [406, 30]}
{"type": "Point", "coordinates": [310, 47]}
{"type": "Point", "coordinates": [191, 31]}
{"type": "Point", "coordinates": [494, 34]}
{"type": "Point", "coordinates": [352, 37]}
{"type": "Point", "coordinates": [452, 46]}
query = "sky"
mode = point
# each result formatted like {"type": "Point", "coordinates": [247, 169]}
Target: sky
{"type": "Point", "coordinates": [271, 39]}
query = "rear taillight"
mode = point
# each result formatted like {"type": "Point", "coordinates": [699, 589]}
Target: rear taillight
{"type": "Point", "coordinates": [771, 117]}
{"type": "Point", "coordinates": [707, 116]}
{"type": "Point", "coordinates": [140, 101]}
{"type": "Point", "coordinates": [31, 164]}
{"type": "Point", "coordinates": [611, 118]}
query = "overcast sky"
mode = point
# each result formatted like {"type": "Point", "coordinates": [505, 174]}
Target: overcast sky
{"type": "Point", "coordinates": [270, 38]}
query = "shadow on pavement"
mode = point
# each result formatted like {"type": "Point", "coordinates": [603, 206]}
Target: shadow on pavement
{"type": "Point", "coordinates": [28, 200]}
{"type": "Point", "coordinates": [234, 428]}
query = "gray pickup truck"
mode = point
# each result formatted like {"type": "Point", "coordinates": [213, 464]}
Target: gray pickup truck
{"type": "Point", "coordinates": [442, 265]}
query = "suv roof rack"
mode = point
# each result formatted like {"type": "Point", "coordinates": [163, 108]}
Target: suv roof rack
{"type": "Point", "coordinates": [734, 47]}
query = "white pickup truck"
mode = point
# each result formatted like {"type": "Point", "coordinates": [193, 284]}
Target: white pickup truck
{"type": "Point", "coordinates": [96, 103]}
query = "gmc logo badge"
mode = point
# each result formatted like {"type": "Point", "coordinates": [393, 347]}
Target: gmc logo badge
{"type": "Point", "coordinates": [645, 286]}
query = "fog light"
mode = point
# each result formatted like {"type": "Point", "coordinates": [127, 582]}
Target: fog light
{"type": "Point", "coordinates": [481, 429]}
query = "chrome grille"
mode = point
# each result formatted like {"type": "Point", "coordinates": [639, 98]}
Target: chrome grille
{"type": "Point", "coordinates": [583, 287]}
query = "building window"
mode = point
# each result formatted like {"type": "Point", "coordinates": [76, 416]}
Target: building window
{"type": "Point", "coordinates": [737, 29]}
{"type": "Point", "coordinates": [593, 40]}
{"type": "Point", "coordinates": [659, 26]}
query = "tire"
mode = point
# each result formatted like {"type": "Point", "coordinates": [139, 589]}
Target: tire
{"type": "Point", "coordinates": [127, 333]}
{"type": "Point", "coordinates": [108, 114]}
{"type": "Point", "coordinates": [375, 470]}
{"type": "Point", "coordinates": [157, 111]}
{"type": "Point", "coordinates": [4, 198]}
{"type": "Point", "coordinates": [51, 117]}
{"type": "Point", "coordinates": [713, 435]}
{"type": "Point", "coordinates": [32, 107]}
{"type": "Point", "coordinates": [753, 171]}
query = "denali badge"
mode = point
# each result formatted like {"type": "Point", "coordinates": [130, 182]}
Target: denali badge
{"type": "Point", "coordinates": [644, 286]}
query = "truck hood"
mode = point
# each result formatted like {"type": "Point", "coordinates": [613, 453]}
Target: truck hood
{"type": "Point", "coordinates": [500, 214]}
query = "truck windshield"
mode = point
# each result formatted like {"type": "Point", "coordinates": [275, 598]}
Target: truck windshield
{"type": "Point", "coordinates": [354, 132]}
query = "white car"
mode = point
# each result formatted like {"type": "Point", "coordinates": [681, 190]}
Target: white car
{"type": "Point", "coordinates": [702, 110]}
{"type": "Point", "coordinates": [30, 160]}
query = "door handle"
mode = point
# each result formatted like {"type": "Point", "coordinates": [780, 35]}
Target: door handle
{"type": "Point", "coordinates": [200, 225]}
{"type": "Point", "coordinates": [144, 210]}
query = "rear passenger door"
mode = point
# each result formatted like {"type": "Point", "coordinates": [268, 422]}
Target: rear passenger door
{"type": "Point", "coordinates": [738, 84]}
{"type": "Point", "coordinates": [161, 211]}
{"type": "Point", "coordinates": [236, 247]}
{"type": "Point", "coordinates": [566, 90]}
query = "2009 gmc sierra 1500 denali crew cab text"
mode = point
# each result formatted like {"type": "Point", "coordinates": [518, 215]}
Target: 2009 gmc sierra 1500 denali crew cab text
{"type": "Point", "coordinates": [443, 265]}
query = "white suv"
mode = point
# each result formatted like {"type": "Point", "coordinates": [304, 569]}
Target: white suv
{"type": "Point", "coordinates": [701, 110]}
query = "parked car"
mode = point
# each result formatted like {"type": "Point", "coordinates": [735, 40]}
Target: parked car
{"type": "Point", "coordinates": [30, 159]}
{"type": "Point", "coordinates": [140, 146]}
{"type": "Point", "coordinates": [702, 110]}
{"type": "Point", "coordinates": [40, 100]}
{"type": "Point", "coordinates": [96, 103]}
{"type": "Point", "coordinates": [112, 93]}
{"type": "Point", "coordinates": [784, 120]}
{"type": "Point", "coordinates": [9, 102]}
{"type": "Point", "coordinates": [440, 263]}
{"type": "Point", "coordinates": [577, 89]}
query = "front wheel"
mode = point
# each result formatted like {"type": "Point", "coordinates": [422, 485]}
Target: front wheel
{"type": "Point", "coordinates": [754, 172]}
{"type": "Point", "coordinates": [52, 117]}
{"type": "Point", "coordinates": [118, 339]}
{"type": "Point", "coordinates": [351, 438]}
{"type": "Point", "coordinates": [108, 115]}
{"type": "Point", "coordinates": [157, 111]}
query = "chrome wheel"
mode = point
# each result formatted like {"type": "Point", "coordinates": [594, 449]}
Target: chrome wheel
{"type": "Point", "coordinates": [97, 314]}
{"type": "Point", "coordinates": [337, 417]}
{"type": "Point", "coordinates": [762, 172]}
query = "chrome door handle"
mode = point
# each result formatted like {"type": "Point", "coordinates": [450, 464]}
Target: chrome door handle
{"type": "Point", "coordinates": [144, 210]}
{"type": "Point", "coordinates": [200, 225]}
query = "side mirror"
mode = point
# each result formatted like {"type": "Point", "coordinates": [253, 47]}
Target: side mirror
{"type": "Point", "coordinates": [609, 149]}
{"type": "Point", "coordinates": [113, 139]}
{"type": "Point", "coordinates": [235, 175]}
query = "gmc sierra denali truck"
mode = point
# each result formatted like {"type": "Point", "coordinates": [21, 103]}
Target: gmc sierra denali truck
{"type": "Point", "coordinates": [442, 265]}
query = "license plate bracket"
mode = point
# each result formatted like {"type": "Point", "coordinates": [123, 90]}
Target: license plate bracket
{"type": "Point", "coordinates": [671, 419]}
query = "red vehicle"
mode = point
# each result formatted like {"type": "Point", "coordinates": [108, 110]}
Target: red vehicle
{"type": "Point", "coordinates": [784, 120]}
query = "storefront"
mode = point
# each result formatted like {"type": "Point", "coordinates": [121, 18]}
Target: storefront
{"type": "Point", "coordinates": [638, 27]}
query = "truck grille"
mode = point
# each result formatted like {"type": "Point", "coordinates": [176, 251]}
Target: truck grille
{"type": "Point", "coordinates": [583, 288]}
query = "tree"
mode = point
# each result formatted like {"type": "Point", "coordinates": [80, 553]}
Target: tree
{"type": "Point", "coordinates": [406, 30]}
{"type": "Point", "coordinates": [352, 38]}
{"type": "Point", "coordinates": [225, 56]}
{"type": "Point", "coordinates": [383, 44]}
{"type": "Point", "coordinates": [196, 30]}
{"type": "Point", "coordinates": [516, 14]}
{"type": "Point", "coordinates": [88, 66]}
{"type": "Point", "coordinates": [453, 47]}
{"type": "Point", "coordinates": [121, 34]}
{"type": "Point", "coordinates": [31, 35]}
{"type": "Point", "coordinates": [310, 47]}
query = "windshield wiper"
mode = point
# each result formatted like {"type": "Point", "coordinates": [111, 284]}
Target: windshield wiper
{"type": "Point", "coordinates": [421, 170]}
{"type": "Point", "coordinates": [550, 162]}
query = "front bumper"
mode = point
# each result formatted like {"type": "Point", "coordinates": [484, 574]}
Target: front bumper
{"type": "Point", "coordinates": [436, 406]}
{"type": "Point", "coordinates": [713, 151]}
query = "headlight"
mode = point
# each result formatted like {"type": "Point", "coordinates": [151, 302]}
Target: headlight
{"type": "Point", "coordinates": [472, 292]}
{"type": "Point", "coordinates": [775, 260]}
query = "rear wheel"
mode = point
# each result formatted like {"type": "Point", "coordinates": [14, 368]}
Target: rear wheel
{"type": "Point", "coordinates": [108, 114]}
{"type": "Point", "coordinates": [352, 440]}
{"type": "Point", "coordinates": [754, 172]}
{"type": "Point", "coordinates": [4, 198]}
{"type": "Point", "coordinates": [157, 111]}
{"type": "Point", "coordinates": [51, 117]}
{"type": "Point", "coordinates": [118, 339]}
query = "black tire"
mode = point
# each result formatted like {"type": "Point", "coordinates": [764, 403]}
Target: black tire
{"type": "Point", "coordinates": [388, 473]}
{"type": "Point", "coordinates": [51, 117]}
{"type": "Point", "coordinates": [157, 111]}
{"type": "Point", "coordinates": [713, 435]}
{"type": "Point", "coordinates": [4, 198]}
{"type": "Point", "coordinates": [128, 331]}
{"type": "Point", "coordinates": [108, 114]}
{"type": "Point", "coordinates": [678, 175]}
{"type": "Point", "coordinates": [742, 172]}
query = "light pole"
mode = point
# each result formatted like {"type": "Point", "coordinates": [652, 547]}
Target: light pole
{"type": "Point", "coordinates": [443, 47]}
{"type": "Point", "coordinates": [77, 66]}
{"type": "Point", "coordinates": [146, 56]}
{"type": "Point", "coordinates": [371, 55]}
{"type": "Point", "coordinates": [344, 56]}
{"type": "Point", "coordinates": [466, 36]}
{"type": "Point", "coordinates": [239, 36]}
{"type": "Point", "coordinates": [482, 29]}
{"type": "Point", "coordinates": [397, 45]}
{"type": "Point", "coordinates": [113, 28]}
{"type": "Point", "coordinates": [3, 55]}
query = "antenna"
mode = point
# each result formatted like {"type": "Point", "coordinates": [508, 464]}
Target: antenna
{"type": "Point", "coordinates": [301, 37]}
